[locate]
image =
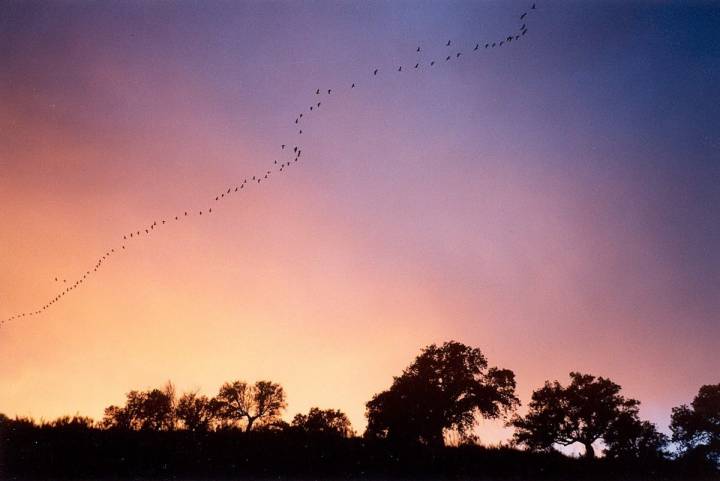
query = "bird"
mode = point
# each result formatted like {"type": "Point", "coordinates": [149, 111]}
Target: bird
{"type": "Point", "coordinates": [477, 46]}
{"type": "Point", "coordinates": [329, 90]}
{"type": "Point", "coordinates": [523, 15]}
{"type": "Point", "coordinates": [300, 115]}
{"type": "Point", "coordinates": [318, 104]}
{"type": "Point", "coordinates": [458, 55]}
{"type": "Point", "coordinates": [375, 71]}
{"type": "Point", "coordinates": [493, 45]}
{"type": "Point", "coordinates": [300, 132]}
{"type": "Point", "coordinates": [432, 63]}
{"type": "Point", "coordinates": [523, 26]}
{"type": "Point", "coordinates": [501, 42]}
{"type": "Point", "coordinates": [352, 86]}
{"type": "Point", "coordinates": [417, 65]}
{"type": "Point", "coordinates": [311, 107]}
{"type": "Point", "coordinates": [524, 31]}
{"type": "Point", "coordinates": [317, 92]}
{"type": "Point", "coordinates": [517, 37]}
{"type": "Point", "coordinates": [400, 68]}
{"type": "Point", "coordinates": [418, 49]}
{"type": "Point", "coordinates": [533, 7]}
{"type": "Point", "coordinates": [487, 45]}
{"type": "Point", "coordinates": [448, 44]}
{"type": "Point", "coordinates": [296, 120]}
{"type": "Point", "coordinates": [294, 150]}
{"type": "Point", "coordinates": [447, 58]}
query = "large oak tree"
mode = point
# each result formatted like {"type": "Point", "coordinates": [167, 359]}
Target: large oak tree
{"type": "Point", "coordinates": [445, 388]}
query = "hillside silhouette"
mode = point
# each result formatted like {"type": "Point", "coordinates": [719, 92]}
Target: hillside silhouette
{"type": "Point", "coordinates": [444, 391]}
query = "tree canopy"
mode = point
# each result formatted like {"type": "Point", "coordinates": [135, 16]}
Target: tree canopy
{"type": "Point", "coordinates": [588, 409]}
{"type": "Point", "coordinates": [697, 427]}
{"type": "Point", "coordinates": [261, 402]}
{"type": "Point", "coordinates": [445, 388]}
{"type": "Point", "coordinates": [331, 421]}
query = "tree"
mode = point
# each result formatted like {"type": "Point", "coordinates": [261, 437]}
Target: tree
{"type": "Point", "coordinates": [582, 412]}
{"type": "Point", "coordinates": [144, 410]}
{"type": "Point", "coordinates": [261, 402]}
{"type": "Point", "coordinates": [697, 427]}
{"type": "Point", "coordinates": [324, 421]}
{"type": "Point", "coordinates": [445, 388]}
{"type": "Point", "coordinates": [196, 412]}
{"type": "Point", "coordinates": [630, 438]}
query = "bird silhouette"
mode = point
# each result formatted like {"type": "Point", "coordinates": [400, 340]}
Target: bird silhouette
{"type": "Point", "coordinates": [400, 68]}
{"type": "Point", "coordinates": [329, 91]}
{"type": "Point", "coordinates": [418, 49]}
{"type": "Point", "coordinates": [448, 44]}
{"type": "Point", "coordinates": [352, 86]}
{"type": "Point", "coordinates": [417, 65]}
{"type": "Point", "coordinates": [375, 71]}
{"type": "Point", "coordinates": [432, 63]}
{"type": "Point", "coordinates": [477, 46]}
{"type": "Point", "coordinates": [317, 92]}
{"type": "Point", "coordinates": [533, 7]}
{"type": "Point", "coordinates": [523, 15]}
{"type": "Point", "coordinates": [458, 55]}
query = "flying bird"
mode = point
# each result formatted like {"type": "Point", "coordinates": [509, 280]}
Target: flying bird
{"type": "Point", "coordinates": [376, 71]}
{"type": "Point", "coordinates": [533, 7]}
{"type": "Point", "coordinates": [418, 49]}
{"type": "Point", "coordinates": [477, 46]}
{"type": "Point", "coordinates": [400, 68]}
{"type": "Point", "coordinates": [458, 55]}
{"type": "Point", "coordinates": [329, 90]}
{"type": "Point", "coordinates": [523, 15]}
{"type": "Point", "coordinates": [352, 86]}
{"type": "Point", "coordinates": [417, 65]}
{"type": "Point", "coordinates": [448, 44]}
{"type": "Point", "coordinates": [317, 92]}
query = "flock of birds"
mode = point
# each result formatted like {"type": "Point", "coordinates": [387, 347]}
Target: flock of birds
{"type": "Point", "coordinates": [290, 153]}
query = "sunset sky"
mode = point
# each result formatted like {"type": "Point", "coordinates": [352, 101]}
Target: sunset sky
{"type": "Point", "coordinates": [554, 201]}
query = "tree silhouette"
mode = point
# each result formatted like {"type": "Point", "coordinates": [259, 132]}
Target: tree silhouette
{"type": "Point", "coordinates": [630, 438]}
{"type": "Point", "coordinates": [319, 420]}
{"type": "Point", "coordinates": [261, 402]}
{"type": "Point", "coordinates": [697, 427]}
{"type": "Point", "coordinates": [196, 412]}
{"type": "Point", "coordinates": [144, 410]}
{"type": "Point", "coordinates": [582, 412]}
{"type": "Point", "coordinates": [445, 388]}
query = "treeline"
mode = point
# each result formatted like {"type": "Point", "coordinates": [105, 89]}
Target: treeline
{"type": "Point", "coordinates": [438, 398]}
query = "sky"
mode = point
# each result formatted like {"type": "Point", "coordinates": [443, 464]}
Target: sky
{"type": "Point", "coordinates": [554, 201]}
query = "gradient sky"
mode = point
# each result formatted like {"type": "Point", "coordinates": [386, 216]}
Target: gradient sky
{"type": "Point", "coordinates": [555, 202]}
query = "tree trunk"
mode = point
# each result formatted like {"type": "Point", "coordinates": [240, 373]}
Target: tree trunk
{"type": "Point", "coordinates": [249, 424]}
{"type": "Point", "coordinates": [589, 451]}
